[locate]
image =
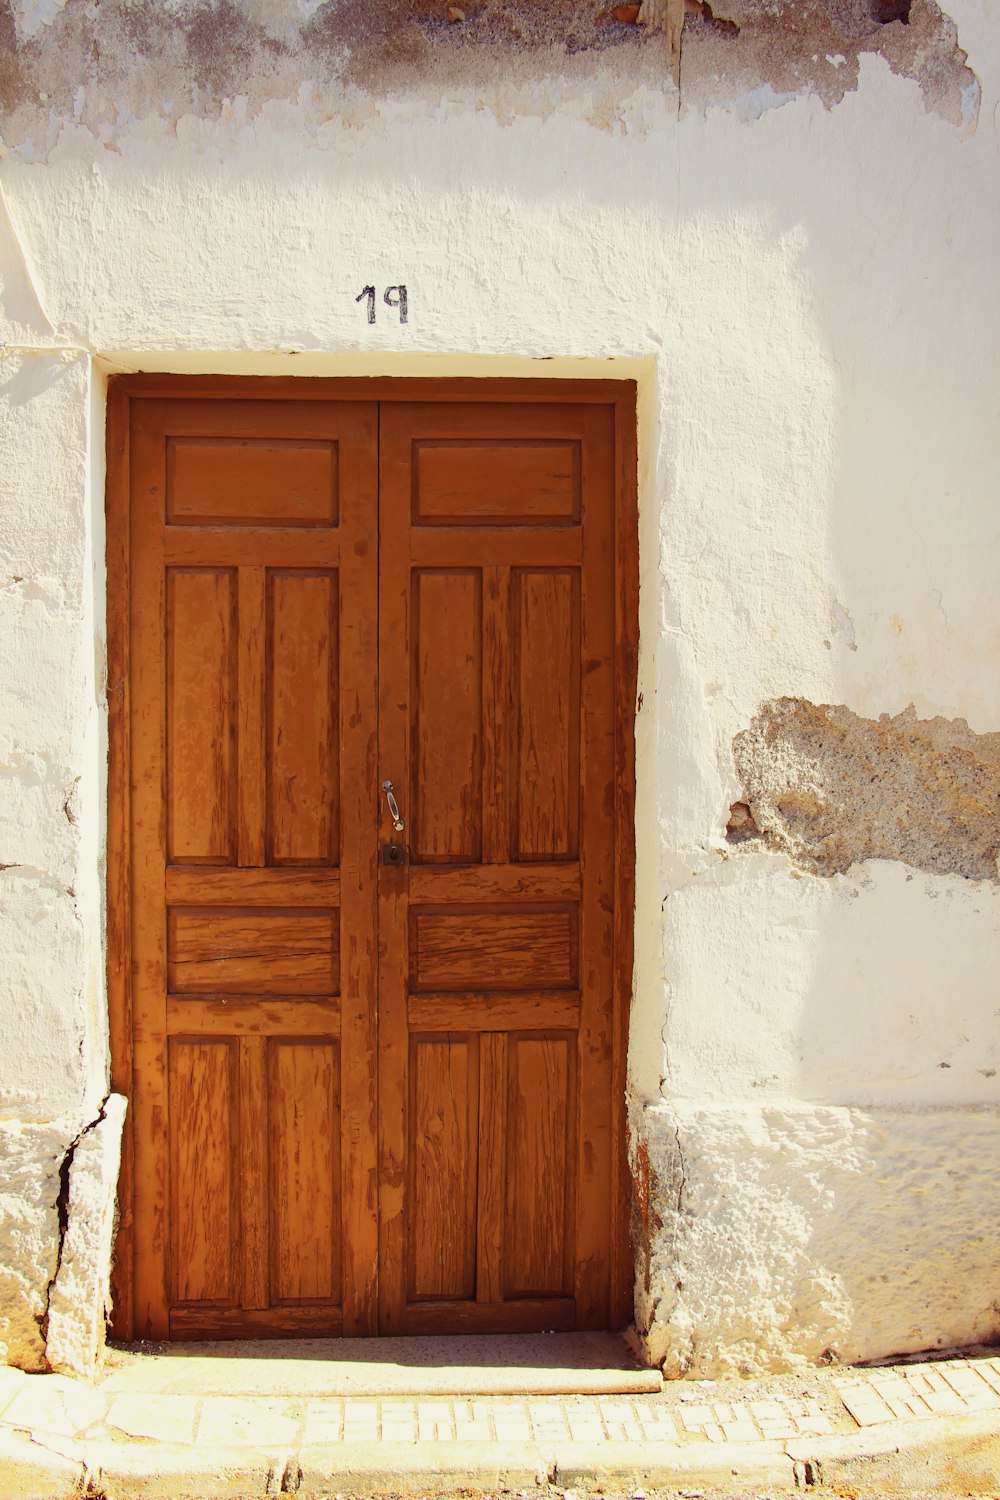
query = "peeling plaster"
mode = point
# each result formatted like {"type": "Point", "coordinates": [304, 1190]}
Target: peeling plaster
{"type": "Point", "coordinates": [107, 66]}
{"type": "Point", "coordinates": [830, 789]}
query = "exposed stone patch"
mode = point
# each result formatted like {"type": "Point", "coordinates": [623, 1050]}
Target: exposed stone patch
{"type": "Point", "coordinates": [830, 789]}
{"type": "Point", "coordinates": [105, 65]}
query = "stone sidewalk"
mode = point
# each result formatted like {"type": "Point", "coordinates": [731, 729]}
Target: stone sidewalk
{"type": "Point", "coordinates": [910, 1427]}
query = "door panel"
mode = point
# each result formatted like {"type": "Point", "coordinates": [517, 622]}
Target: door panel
{"type": "Point", "coordinates": [497, 718]}
{"type": "Point", "coordinates": [304, 1188]}
{"type": "Point", "coordinates": [302, 815]}
{"type": "Point", "coordinates": [545, 662]}
{"type": "Point", "coordinates": [441, 1182]}
{"type": "Point", "coordinates": [254, 561]}
{"type": "Point", "coordinates": [367, 1095]}
{"type": "Point", "coordinates": [203, 1103]}
{"type": "Point", "coordinates": [446, 786]}
{"type": "Point", "coordinates": [540, 1162]}
{"type": "Point", "coordinates": [201, 647]}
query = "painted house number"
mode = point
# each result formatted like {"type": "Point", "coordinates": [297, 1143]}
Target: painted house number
{"type": "Point", "coordinates": [393, 296]}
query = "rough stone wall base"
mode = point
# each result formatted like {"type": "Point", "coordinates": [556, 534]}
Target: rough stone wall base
{"type": "Point", "coordinates": [776, 1236]}
{"type": "Point", "coordinates": [30, 1157]}
{"type": "Point", "coordinates": [81, 1292]}
{"type": "Point", "coordinates": [57, 1213]}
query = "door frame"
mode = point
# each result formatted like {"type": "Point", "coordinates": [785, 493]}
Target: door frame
{"type": "Point", "coordinates": [619, 394]}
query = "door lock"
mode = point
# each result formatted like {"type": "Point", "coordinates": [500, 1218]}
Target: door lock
{"type": "Point", "coordinates": [393, 854]}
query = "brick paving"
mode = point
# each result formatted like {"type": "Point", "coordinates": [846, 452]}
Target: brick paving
{"type": "Point", "coordinates": [685, 1414]}
{"type": "Point", "coordinates": [945, 1388]}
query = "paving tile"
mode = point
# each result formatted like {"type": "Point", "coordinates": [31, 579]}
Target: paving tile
{"type": "Point", "coordinates": [44, 1406]}
{"type": "Point", "coordinates": [893, 1390]}
{"type": "Point", "coordinates": [945, 1401]}
{"type": "Point", "coordinates": [814, 1426]}
{"type": "Point", "coordinates": [512, 1422]}
{"type": "Point", "coordinates": [548, 1421]}
{"type": "Point", "coordinates": [472, 1422]}
{"type": "Point", "coordinates": [906, 1406]}
{"type": "Point", "coordinates": [398, 1421]}
{"type": "Point", "coordinates": [586, 1425]}
{"type": "Point", "coordinates": [740, 1432]}
{"type": "Point", "coordinates": [323, 1422]}
{"type": "Point", "coordinates": [434, 1422]}
{"type": "Point", "coordinates": [865, 1405]}
{"type": "Point", "coordinates": [361, 1421]}
{"type": "Point", "coordinates": [236, 1421]}
{"type": "Point", "coordinates": [167, 1419]}
{"type": "Point", "coordinates": [696, 1416]}
{"type": "Point", "coordinates": [986, 1371]}
{"type": "Point", "coordinates": [970, 1385]}
{"type": "Point", "coordinates": [657, 1426]}
{"type": "Point", "coordinates": [473, 1432]}
{"type": "Point", "coordinates": [621, 1422]}
{"type": "Point", "coordinates": [778, 1428]}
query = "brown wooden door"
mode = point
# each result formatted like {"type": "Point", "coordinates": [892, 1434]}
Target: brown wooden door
{"type": "Point", "coordinates": [366, 1095]}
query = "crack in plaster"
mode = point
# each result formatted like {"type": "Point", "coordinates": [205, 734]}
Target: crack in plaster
{"type": "Point", "coordinates": [682, 1172]}
{"type": "Point", "coordinates": [62, 1213]}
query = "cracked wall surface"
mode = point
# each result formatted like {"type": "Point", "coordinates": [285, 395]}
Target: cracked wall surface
{"type": "Point", "coordinates": [830, 788]}
{"type": "Point", "coordinates": [57, 1208]}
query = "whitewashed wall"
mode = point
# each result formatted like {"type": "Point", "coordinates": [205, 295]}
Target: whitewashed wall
{"type": "Point", "coordinates": [807, 297]}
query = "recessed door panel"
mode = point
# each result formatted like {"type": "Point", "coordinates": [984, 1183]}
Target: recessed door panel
{"type": "Point", "coordinates": [203, 1107]}
{"type": "Point", "coordinates": [441, 1180]}
{"type": "Point", "coordinates": [302, 710]}
{"type": "Point", "coordinates": [447, 677]}
{"type": "Point", "coordinates": [201, 666]}
{"type": "Point", "coordinates": [304, 1182]}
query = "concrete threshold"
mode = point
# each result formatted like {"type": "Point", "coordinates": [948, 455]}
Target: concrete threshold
{"type": "Point", "coordinates": [548, 1364]}
{"type": "Point", "coordinates": [135, 1433]}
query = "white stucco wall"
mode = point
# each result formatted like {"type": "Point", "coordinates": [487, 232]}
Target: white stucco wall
{"type": "Point", "coordinates": [806, 296]}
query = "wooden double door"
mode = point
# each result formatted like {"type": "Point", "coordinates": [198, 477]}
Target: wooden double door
{"type": "Point", "coordinates": [375, 1073]}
